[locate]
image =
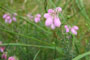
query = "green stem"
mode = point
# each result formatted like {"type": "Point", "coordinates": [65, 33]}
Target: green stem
{"type": "Point", "coordinates": [26, 45]}
{"type": "Point", "coordinates": [75, 45]}
{"type": "Point", "coordinates": [55, 39]}
{"type": "Point", "coordinates": [45, 5]}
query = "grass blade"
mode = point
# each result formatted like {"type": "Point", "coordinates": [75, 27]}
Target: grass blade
{"type": "Point", "coordinates": [81, 56]}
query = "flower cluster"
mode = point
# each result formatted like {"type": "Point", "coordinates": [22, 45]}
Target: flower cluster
{"type": "Point", "coordinates": [36, 17]}
{"type": "Point", "coordinates": [72, 29]}
{"type": "Point", "coordinates": [4, 54]}
{"type": "Point", "coordinates": [9, 17]}
{"type": "Point", "coordinates": [2, 49]}
{"type": "Point", "coordinates": [52, 18]}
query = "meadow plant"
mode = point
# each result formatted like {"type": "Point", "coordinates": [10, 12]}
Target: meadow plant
{"type": "Point", "coordinates": [37, 18]}
{"type": "Point", "coordinates": [9, 17]}
{"type": "Point", "coordinates": [72, 29]}
{"type": "Point", "coordinates": [52, 18]}
{"type": "Point", "coordinates": [51, 39]}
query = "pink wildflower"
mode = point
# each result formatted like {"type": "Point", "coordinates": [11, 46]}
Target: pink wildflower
{"type": "Point", "coordinates": [67, 28]}
{"type": "Point", "coordinates": [37, 18]}
{"type": "Point", "coordinates": [11, 58]}
{"type": "Point", "coordinates": [1, 47]}
{"type": "Point", "coordinates": [14, 18]}
{"type": "Point", "coordinates": [4, 56]}
{"type": "Point", "coordinates": [58, 9]}
{"type": "Point", "coordinates": [52, 19]}
{"type": "Point", "coordinates": [9, 18]}
{"type": "Point", "coordinates": [5, 15]}
{"type": "Point", "coordinates": [73, 29]}
{"type": "Point", "coordinates": [50, 11]}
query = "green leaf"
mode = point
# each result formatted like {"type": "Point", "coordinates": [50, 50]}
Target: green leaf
{"type": "Point", "coordinates": [36, 55]}
{"type": "Point", "coordinates": [81, 56]}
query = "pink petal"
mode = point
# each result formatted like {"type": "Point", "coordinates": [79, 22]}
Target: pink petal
{"type": "Point", "coordinates": [37, 20]}
{"type": "Point", "coordinates": [47, 15]}
{"type": "Point", "coordinates": [14, 18]}
{"type": "Point", "coordinates": [52, 26]}
{"type": "Point", "coordinates": [50, 10]}
{"type": "Point", "coordinates": [75, 27]}
{"type": "Point", "coordinates": [6, 21]}
{"type": "Point", "coordinates": [9, 21]}
{"type": "Point", "coordinates": [67, 29]}
{"type": "Point", "coordinates": [8, 17]}
{"type": "Point", "coordinates": [48, 22]}
{"type": "Point", "coordinates": [57, 22]}
{"type": "Point", "coordinates": [11, 58]}
{"type": "Point", "coordinates": [73, 31]}
{"type": "Point", "coordinates": [2, 49]}
{"type": "Point", "coordinates": [38, 15]}
{"type": "Point", "coordinates": [5, 15]}
{"type": "Point", "coordinates": [65, 26]}
{"type": "Point", "coordinates": [58, 9]}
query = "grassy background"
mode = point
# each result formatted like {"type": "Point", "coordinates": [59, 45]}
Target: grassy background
{"type": "Point", "coordinates": [30, 41]}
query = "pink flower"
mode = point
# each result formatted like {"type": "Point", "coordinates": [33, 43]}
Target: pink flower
{"type": "Point", "coordinates": [11, 58]}
{"type": "Point", "coordinates": [1, 47]}
{"type": "Point", "coordinates": [57, 22]}
{"type": "Point", "coordinates": [67, 28]}
{"type": "Point", "coordinates": [47, 15]}
{"type": "Point", "coordinates": [52, 19]}
{"type": "Point", "coordinates": [5, 15]}
{"type": "Point", "coordinates": [37, 18]}
{"type": "Point", "coordinates": [48, 22]}
{"type": "Point", "coordinates": [58, 9]}
{"type": "Point", "coordinates": [4, 56]}
{"type": "Point", "coordinates": [73, 29]}
{"type": "Point", "coordinates": [52, 26]}
{"type": "Point", "coordinates": [14, 18]}
{"type": "Point", "coordinates": [50, 11]}
{"type": "Point", "coordinates": [8, 21]}
{"type": "Point", "coordinates": [9, 18]}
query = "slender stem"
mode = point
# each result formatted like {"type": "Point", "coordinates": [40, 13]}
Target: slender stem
{"type": "Point", "coordinates": [75, 45]}
{"type": "Point", "coordinates": [26, 45]}
{"type": "Point", "coordinates": [45, 5]}
{"type": "Point", "coordinates": [55, 39]}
